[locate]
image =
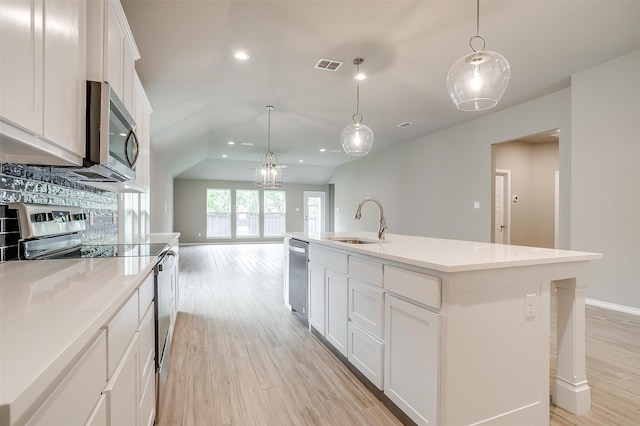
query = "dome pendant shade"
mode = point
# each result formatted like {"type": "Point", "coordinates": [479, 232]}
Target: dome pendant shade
{"type": "Point", "coordinates": [478, 80]}
{"type": "Point", "coordinates": [357, 139]}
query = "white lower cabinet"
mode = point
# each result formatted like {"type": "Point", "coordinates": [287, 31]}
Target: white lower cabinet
{"type": "Point", "coordinates": [99, 415]}
{"type": "Point", "coordinates": [366, 307]}
{"type": "Point", "coordinates": [123, 388]}
{"type": "Point", "coordinates": [73, 401]}
{"type": "Point", "coordinates": [316, 297]}
{"type": "Point", "coordinates": [411, 360]}
{"type": "Point", "coordinates": [366, 354]}
{"type": "Point", "coordinates": [337, 310]}
{"type": "Point", "coordinates": [147, 406]}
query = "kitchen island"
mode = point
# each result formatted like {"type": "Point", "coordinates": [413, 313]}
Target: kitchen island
{"type": "Point", "coordinates": [453, 332]}
{"type": "Point", "coordinates": [55, 318]}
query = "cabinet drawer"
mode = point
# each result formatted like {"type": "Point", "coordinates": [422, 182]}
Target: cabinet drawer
{"type": "Point", "coordinates": [413, 285]}
{"type": "Point", "coordinates": [147, 407]}
{"type": "Point", "coordinates": [366, 307]}
{"type": "Point", "coordinates": [145, 295]}
{"type": "Point", "coordinates": [73, 401]}
{"type": "Point", "coordinates": [120, 331]}
{"type": "Point", "coordinates": [366, 354]}
{"type": "Point", "coordinates": [331, 259]}
{"type": "Point", "coordinates": [122, 388]}
{"type": "Point", "coordinates": [365, 270]}
{"type": "Point", "coordinates": [146, 338]}
{"type": "Point", "coordinates": [99, 415]}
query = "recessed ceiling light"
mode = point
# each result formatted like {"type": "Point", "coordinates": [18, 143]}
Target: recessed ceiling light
{"type": "Point", "coordinates": [360, 76]}
{"type": "Point", "coordinates": [300, 161]}
{"type": "Point", "coordinates": [404, 124]}
{"type": "Point", "coordinates": [241, 56]}
{"type": "Point", "coordinates": [123, 134]}
{"type": "Point", "coordinates": [224, 155]}
{"type": "Point", "coordinates": [231, 143]}
{"type": "Point", "coordinates": [322, 150]}
{"type": "Point", "coordinates": [247, 144]}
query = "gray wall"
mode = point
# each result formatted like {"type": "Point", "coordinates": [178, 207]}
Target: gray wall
{"type": "Point", "coordinates": [428, 186]}
{"type": "Point", "coordinates": [190, 206]}
{"type": "Point", "coordinates": [533, 169]}
{"type": "Point", "coordinates": [606, 176]}
{"type": "Point", "coordinates": [160, 197]}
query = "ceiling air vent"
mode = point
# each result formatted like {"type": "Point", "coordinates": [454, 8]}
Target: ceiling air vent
{"type": "Point", "coordinates": [404, 124]}
{"type": "Point", "coordinates": [328, 64]}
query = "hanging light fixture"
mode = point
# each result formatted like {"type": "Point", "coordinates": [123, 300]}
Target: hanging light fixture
{"type": "Point", "coordinates": [269, 173]}
{"type": "Point", "coordinates": [357, 138]}
{"type": "Point", "coordinates": [478, 80]}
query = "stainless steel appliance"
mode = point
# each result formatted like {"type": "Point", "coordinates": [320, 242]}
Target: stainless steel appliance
{"type": "Point", "coordinates": [298, 293]}
{"type": "Point", "coordinates": [163, 296]}
{"type": "Point", "coordinates": [112, 145]}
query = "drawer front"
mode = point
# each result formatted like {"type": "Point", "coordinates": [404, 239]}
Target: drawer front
{"type": "Point", "coordinates": [413, 285]}
{"type": "Point", "coordinates": [120, 331]}
{"type": "Point", "coordinates": [365, 270]}
{"type": "Point", "coordinates": [122, 388]}
{"type": "Point", "coordinates": [99, 416]}
{"type": "Point", "coordinates": [331, 259]}
{"type": "Point", "coordinates": [147, 344]}
{"type": "Point", "coordinates": [366, 354]}
{"type": "Point", "coordinates": [147, 407]}
{"type": "Point", "coordinates": [145, 295]}
{"type": "Point", "coordinates": [73, 401]}
{"type": "Point", "coordinates": [366, 307]}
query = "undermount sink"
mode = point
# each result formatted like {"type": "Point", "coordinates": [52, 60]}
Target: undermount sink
{"type": "Point", "coordinates": [350, 240]}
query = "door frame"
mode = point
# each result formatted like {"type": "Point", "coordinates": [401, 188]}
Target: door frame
{"type": "Point", "coordinates": [322, 195]}
{"type": "Point", "coordinates": [506, 174]}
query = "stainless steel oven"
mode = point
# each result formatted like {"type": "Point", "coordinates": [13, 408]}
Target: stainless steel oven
{"type": "Point", "coordinates": [163, 295]}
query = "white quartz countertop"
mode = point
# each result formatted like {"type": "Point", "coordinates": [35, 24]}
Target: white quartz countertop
{"type": "Point", "coordinates": [51, 309]}
{"type": "Point", "coordinates": [442, 254]}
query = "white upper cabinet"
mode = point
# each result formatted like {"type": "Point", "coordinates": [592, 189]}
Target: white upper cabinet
{"type": "Point", "coordinates": [142, 115]}
{"type": "Point", "coordinates": [111, 49]}
{"type": "Point", "coordinates": [64, 77]}
{"type": "Point", "coordinates": [42, 81]}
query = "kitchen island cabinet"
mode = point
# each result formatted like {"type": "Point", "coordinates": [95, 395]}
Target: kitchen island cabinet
{"type": "Point", "coordinates": [465, 326]}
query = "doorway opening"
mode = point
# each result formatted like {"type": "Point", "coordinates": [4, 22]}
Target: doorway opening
{"type": "Point", "coordinates": [314, 216]}
{"type": "Point", "coordinates": [525, 182]}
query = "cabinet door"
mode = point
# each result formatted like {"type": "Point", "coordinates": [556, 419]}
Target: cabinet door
{"type": "Point", "coordinates": [99, 415]}
{"type": "Point", "coordinates": [366, 354]}
{"type": "Point", "coordinates": [412, 357]}
{"type": "Point", "coordinates": [64, 74]}
{"type": "Point", "coordinates": [366, 307]}
{"type": "Point", "coordinates": [123, 388]}
{"type": "Point", "coordinates": [316, 297]}
{"type": "Point", "coordinates": [114, 52]}
{"type": "Point", "coordinates": [21, 63]}
{"type": "Point", "coordinates": [337, 310]}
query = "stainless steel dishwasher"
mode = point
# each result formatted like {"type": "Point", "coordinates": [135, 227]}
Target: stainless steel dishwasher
{"type": "Point", "coordinates": [298, 293]}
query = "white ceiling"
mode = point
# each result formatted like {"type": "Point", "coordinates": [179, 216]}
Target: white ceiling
{"type": "Point", "coordinates": [202, 97]}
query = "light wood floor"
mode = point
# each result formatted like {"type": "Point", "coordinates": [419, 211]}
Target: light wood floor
{"type": "Point", "coordinates": [239, 357]}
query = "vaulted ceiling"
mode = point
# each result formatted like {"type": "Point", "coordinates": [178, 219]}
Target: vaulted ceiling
{"type": "Point", "coordinates": [203, 97]}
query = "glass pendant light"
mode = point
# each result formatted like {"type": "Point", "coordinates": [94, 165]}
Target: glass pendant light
{"type": "Point", "coordinates": [356, 138]}
{"type": "Point", "coordinates": [269, 173]}
{"type": "Point", "coordinates": [478, 80]}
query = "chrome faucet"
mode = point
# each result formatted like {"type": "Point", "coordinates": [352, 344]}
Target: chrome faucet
{"type": "Point", "coordinates": [383, 219]}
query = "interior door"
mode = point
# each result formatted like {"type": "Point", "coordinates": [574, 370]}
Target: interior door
{"type": "Point", "coordinates": [502, 211]}
{"type": "Point", "coordinates": [314, 216]}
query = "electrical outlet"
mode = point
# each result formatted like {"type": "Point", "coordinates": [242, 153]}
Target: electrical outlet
{"type": "Point", "coordinates": [530, 306]}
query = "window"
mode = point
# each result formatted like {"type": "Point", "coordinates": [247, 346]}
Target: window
{"type": "Point", "coordinates": [247, 213]}
{"type": "Point", "coordinates": [218, 213]}
{"type": "Point", "coordinates": [275, 218]}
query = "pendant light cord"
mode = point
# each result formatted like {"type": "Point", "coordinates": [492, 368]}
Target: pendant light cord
{"type": "Point", "coordinates": [357, 89]}
{"type": "Point", "coordinates": [477, 17]}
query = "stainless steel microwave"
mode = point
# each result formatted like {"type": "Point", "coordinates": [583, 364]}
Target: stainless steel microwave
{"type": "Point", "coordinates": [112, 145]}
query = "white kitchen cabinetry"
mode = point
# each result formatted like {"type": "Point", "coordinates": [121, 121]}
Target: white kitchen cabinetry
{"type": "Point", "coordinates": [412, 359]}
{"type": "Point", "coordinates": [336, 310]}
{"type": "Point", "coordinates": [142, 115]}
{"type": "Point", "coordinates": [43, 89]}
{"type": "Point", "coordinates": [366, 353]}
{"type": "Point", "coordinates": [316, 297]}
{"type": "Point", "coordinates": [99, 415]}
{"type": "Point", "coordinates": [123, 387]}
{"type": "Point", "coordinates": [73, 401]}
{"type": "Point", "coordinates": [111, 49]}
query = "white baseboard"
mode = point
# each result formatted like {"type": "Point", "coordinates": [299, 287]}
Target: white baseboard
{"type": "Point", "coordinates": [613, 306]}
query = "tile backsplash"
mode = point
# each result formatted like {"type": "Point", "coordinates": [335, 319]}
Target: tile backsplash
{"type": "Point", "coordinates": [20, 183]}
